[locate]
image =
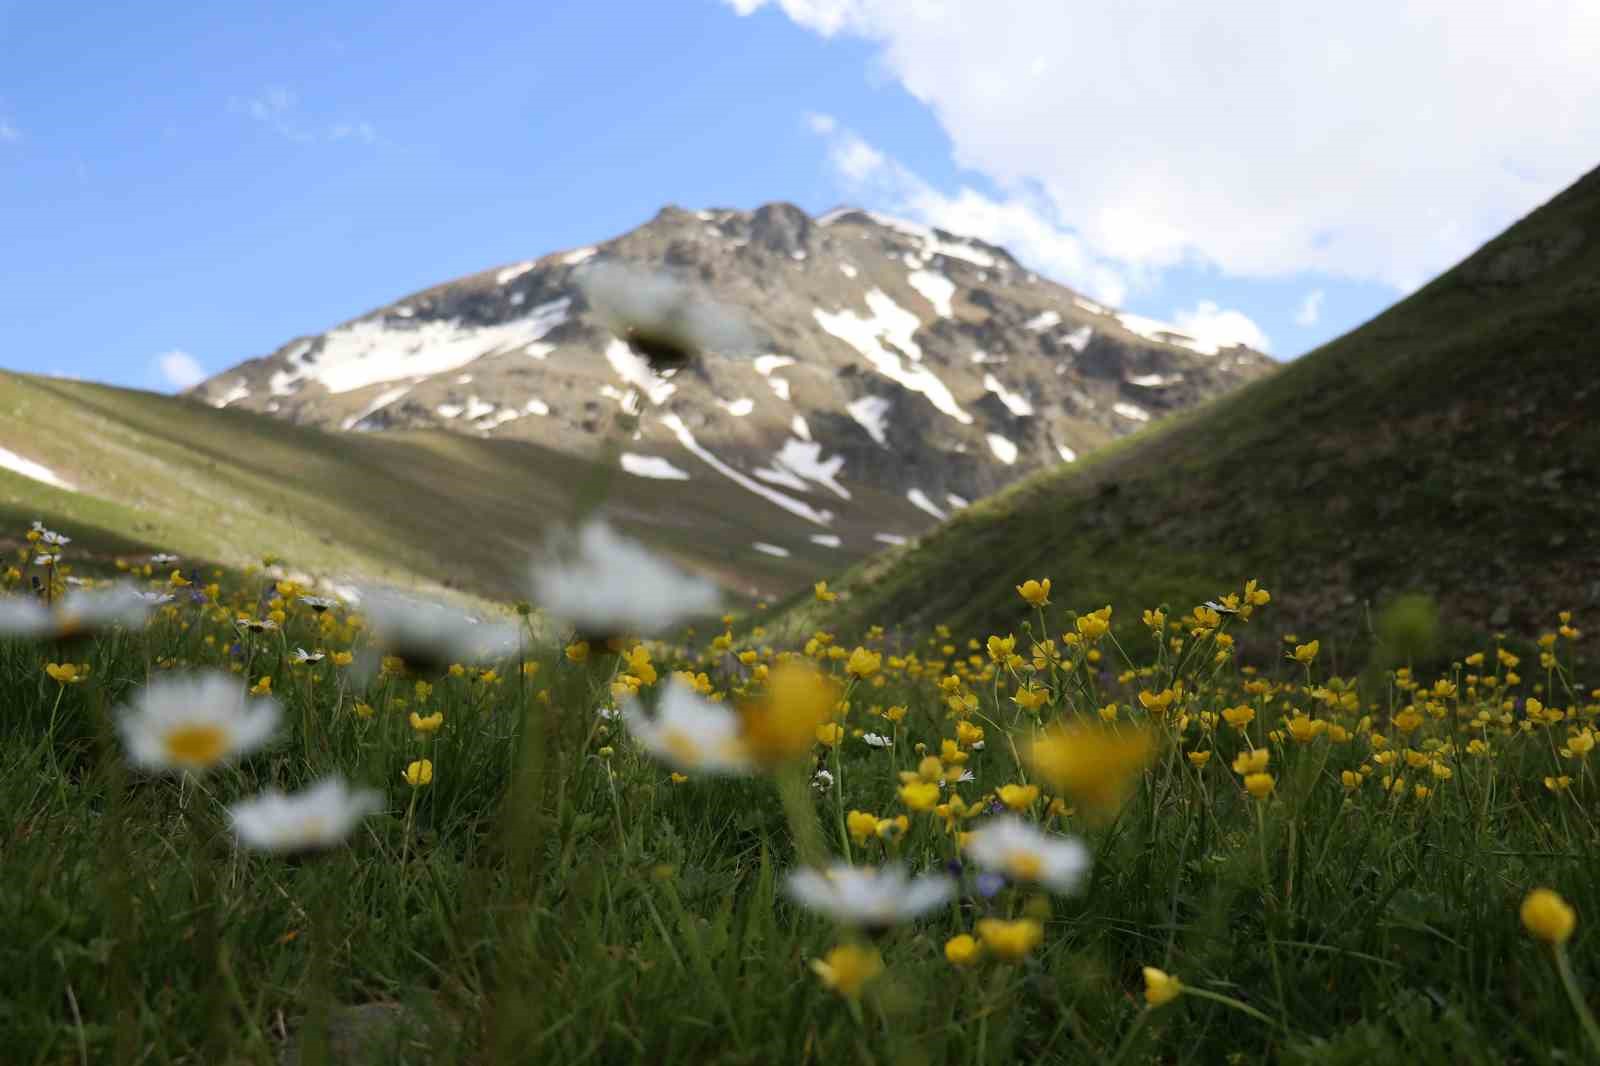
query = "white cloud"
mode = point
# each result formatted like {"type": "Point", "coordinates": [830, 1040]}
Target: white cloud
{"type": "Point", "coordinates": [1363, 139]}
{"type": "Point", "coordinates": [823, 124]}
{"type": "Point", "coordinates": [1310, 309]}
{"type": "Point", "coordinates": [1211, 325]}
{"type": "Point", "coordinates": [179, 370]}
{"type": "Point", "coordinates": [1027, 230]}
{"type": "Point", "coordinates": [8, 132]}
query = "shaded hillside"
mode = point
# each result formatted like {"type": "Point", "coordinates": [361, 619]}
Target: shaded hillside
{"type": "Point", "coordinates": [1449, 446]}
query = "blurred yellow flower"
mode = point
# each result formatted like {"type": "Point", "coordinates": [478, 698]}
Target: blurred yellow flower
{"type": "Point", "coordinates": [430, 724]}
{"type": "Point", "coordinates": [1160, 987]}
{"type": "Point", "coordinates": [1095, 764]}
{"type": "Point", "coordinates": [847, 969]}
{"type": "Point", "coordinates": [1548, 917]}
{"type": "Point", "coordinates": [962, 950]}
{"type": "Point", "coordinates": [67, 673]}
{"type": "Point", "coordinates": [781, 723]}
{"type": "Point", "coordinates": [1010, 940]}
{"type": "Point", "coordinates": [419, 773]}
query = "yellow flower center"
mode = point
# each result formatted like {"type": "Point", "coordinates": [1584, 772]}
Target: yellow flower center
{"type": "Point", "coordinates": [196, 746]}
{"type": "Point", "coordinates": [682, 746]}
{"type": "Point", "coordinates": [1024, 865]}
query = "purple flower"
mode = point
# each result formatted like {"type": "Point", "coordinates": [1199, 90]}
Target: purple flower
{"type": "Point", "coordinates": [990, 884]}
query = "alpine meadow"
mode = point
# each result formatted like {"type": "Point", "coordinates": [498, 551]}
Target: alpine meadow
{"type": "Point", "coordinates": [772, 636]}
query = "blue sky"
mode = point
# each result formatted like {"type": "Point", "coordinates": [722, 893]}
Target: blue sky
{"type": "Point", "coordinates": [216, 181]}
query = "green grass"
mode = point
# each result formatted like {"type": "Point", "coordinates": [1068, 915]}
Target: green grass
{"type": "Point", "coordinates": [429, 508]}
{"type": "Point", "coordinates": [1446, 447]}
{"type": "Point", "coordinates": [554, 897]}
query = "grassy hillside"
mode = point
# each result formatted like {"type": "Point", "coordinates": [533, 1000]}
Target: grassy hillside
{"type": "Point", "coordinates": [428, 507]}
{"type": "Point", "coordinates": [1446, 447]}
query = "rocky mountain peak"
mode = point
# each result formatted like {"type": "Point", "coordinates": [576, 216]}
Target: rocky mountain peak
{"type": "Point", "coordinates": [900, 370]}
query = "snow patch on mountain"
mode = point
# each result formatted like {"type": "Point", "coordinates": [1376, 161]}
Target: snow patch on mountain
{"type": "Point", "coordinates": [892, 323]}
{"type": "Point", "coordinates": [872, 414]}
{"type": "Point", "coordinates": [512, 273]}
{"type": "Point", "coordinates": [1003, 449]}
{"type": "Point", "coordinates": [1015, 402]}
{"type": "Point", "coordinates": [919, 499]}
{"type": "Point", "coordinates": [788, 503]}
{"type": "Point", "coordinates": [1131, 411]}
{"type": "Point", "coordinates": [652, 466]}
{"type": "Point", "coordinates": [936, 289]}
{"type": "Point", "coordinates": [379, 402]}
{"type": "Point", "coordinates": [10, 460]}
{"type": "Point", "coordinates": [631, 367]}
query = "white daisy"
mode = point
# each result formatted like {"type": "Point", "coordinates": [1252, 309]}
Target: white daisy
{"type": "Point", "coordinates": [966, 775]}
{"type": "Point", "coordinates": [319, 603]}
{"type": "Point", "coordinates": [193, 723]}
{"type": "Point", "coordinates": [877, 740]}
{"type": "Point", "coordinates": [427, 634]}
{"type": "Point", "coordinates": [1220, 608]}
{"type": "Point", "coordinates": [605, 585]}
{"type": "Point", "coordinates": [46, 559]}
{"type": "Point", "coordinates": [1015, 848]}
{"type": "Point", "coordinates": [80, 613]}
{"type": "Point", "coordinates": [155, 599]}
{"type": "Point", "coordinates": [868, 896]}
{"type": "Point", "coordinates": [318, 817]}
{"type": "Point", "coordinates": [662, 319]}
{"type": "Point", "coordinates": [162, 559]}
{"type": "Point", "coordinates": [689, 732]}
{"type": "Point", "coordinates": [303, 657]}
{"type": "Point", "coordinates": [823, 781]}
{"type": "Point", "coordinates": [54, 539]}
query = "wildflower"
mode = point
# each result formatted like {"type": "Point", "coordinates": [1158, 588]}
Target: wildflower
{"type": "Point", "coordinates": [80, 614]}
{"type": "Point", "coordinates": [419, 773]}
{"type": "Point", "coordinates": [1094, 625]}
{"type": "Point", "coordinates": [829, 734]}
{"type": "Point", "coordinates": [308, 658]}
{"type": "Point", "coordinates": [67, 673]}
{"type": "Point", "coordinates": [868, 897]}
{"type": "Point", "coordinates": [920, 795]}
{"type": "Point", "coordinates": [782, 722]}
{"type": "Point", "coordinates": [604, 584]}
{"type": "Point", "coordinates": [1199, 759]}
{"type": "Point", "coordinates": [822, 781]}
{"type": "Point", "coordinates": [962, 950]}
{"type": "Point", "coordinates": [1548, 917]}
{"type": "Point", "coordinates": [847, 969]}
{"type": "Point", "coordinates": [662, 319]}
{"type": "Point", "coordinates": [1036, 593]}
{"type": "Point", "coordinates": [1304, 729]}
{"type": "Point", "coordinates": [1160, 987]}
{"type": "Point", "coordinates": [876, 740]}
{"type": "Point", "coordinates": [1579, 745]}
{"type": "Point", "coordinates": [319, 817]}
{"type": "Point", "coordinates": [429, 724]}
{"type": "Point", "coordinates": [822, 593]}
{"type": "Point", "coordinates": [577, 651]}
{"type": "Point", "coordinates": [363, 710]}
{"type": "Point", "coordinates": [968, 735]}
{"type": "Point", "coordinates": [1011, 941]}
{"type": "Point", "coordinates": [1096, 765]}
{"type": "Point", "coordinates": [863, 663]}
{"type": "Point", "coordinates": [1013, 847]}
{"type": "Point", "coordinates": [1306, 654]}
{"type": "Point", "coordinates": [1157, 702]}
{"type": "Point", "coordinates": [192, 724]}
{"type": "Point", "coordinates": [1019, 797]}
{"type": "Point", "coordinates": [319, 604]}
{"type": "Point", "coordinates": [1251, 762]}
{"type": "Point", "coordinates": [689, 732]}
{"type": "Point", "coordinates": [430, 636]}
{"type": "Point", "coordinates": [1259, 785]}
{"type": "Point", "coordinates": [263, 686]}
{"type": "Point", "coordinates": [1030, 698]}
{"type": "Point", "coordinates": [861, 826]}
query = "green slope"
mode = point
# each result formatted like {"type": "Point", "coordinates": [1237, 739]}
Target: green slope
{"type": "Point", "coordinates": [1450, 446]}
{"type": "Point", "coordinates": [430, 507]}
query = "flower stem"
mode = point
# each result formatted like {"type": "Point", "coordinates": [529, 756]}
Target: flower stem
{"type": "Point", "coordinates": [1570, 982]}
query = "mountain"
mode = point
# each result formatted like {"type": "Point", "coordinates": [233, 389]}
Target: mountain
{"type": "Point", "coordinates": [900, 371]}
{"type": "Point", "coordinates": [1447, 447]}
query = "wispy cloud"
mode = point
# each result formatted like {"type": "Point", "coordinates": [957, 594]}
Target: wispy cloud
{"type": "Point", "coordinates": [8, 132]}
{"type": "Point", "coordinates": [278, 109]}
{"type": "Point", "coordinates": [1310, 309]}
{"type": "Point", "coordinates": [1223, 327]}
{"type": "Point", "coordinates": [179, 370]}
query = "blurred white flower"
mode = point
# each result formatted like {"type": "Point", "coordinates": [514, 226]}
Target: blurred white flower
{"type": "Point", "coordinates": [868, 896]}
{"type": "Point", "coordinates": [688, 732]}
{"type": "Point", "coordinates": [54, 539]}
{"type": "Point", "coordinates": [80, 613]}
{"type": "Point", "coordinates": [318, 603]}
{"type": "Point", "coordinates": [318, 817]}
{"type": "Point", "coordinates": [162, 559]}
{"type": "Point", "coordinates": [46, 559]}
{"type": "Point", "coordinates": [1010, 846]}
{"type": "Point", "coordinates": [303, 657]}
{"type": "Point", "coordinates": [428, 635]}
{"type": "Point", "coordinates": [877, 740]}
{"type": "Point", "coordinates": [664, 320]}
{"type": "Point", "coordinates": [194, 723]}
{"type": "Point", "coordinates": [823, 781]}
{"type": "Point", "coordinates": [606, 585]}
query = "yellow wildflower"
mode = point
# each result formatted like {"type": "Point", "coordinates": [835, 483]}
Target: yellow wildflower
{"type": "Point", "coordinates": [847, 969]}
{"type": "Point", "coordinates": [1036, 593]}
{"type": "Point", "coordinates": [962, 950]}
{"type": "Point", "coordinates": [820, 589]}
{"type": "Point", "coordinates": [1096, 765]}
{"type": "Point", "coordinates": [1011, 940]}
{"type": "Point", "coordinates": [1160, 987]}
{"type": "Point", "coordinates": [1018, 797]}
{"type": "Point", "coordinates": [419, 773]}
{"type": "Point", "coordinates": [1548, 917]}
{"type": "Point", "coordinates": [430, 724]}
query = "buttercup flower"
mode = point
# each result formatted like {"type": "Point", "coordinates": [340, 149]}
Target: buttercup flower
{"type": "Point", "coordinates": [1160, 988]}
{"type": "Point", "coordinates": [1010, 941]}
{"type": "Point", "coordinates": [962, 950]}
{"type": "Point", "coordinates": [192, 724]}
{"type": "Point", "coordinates": [847, 968]}
{"type": "Point", "coordinates": [868, 897]}
{"type": "Point", "coordinates": [318, 817]}
{"type": "Point", "coordinates": [1011, 846]}
{"type": "Point", "coordinates": [1096, 765]}
{"type": "Point", "coordinates": [1548, 917]}
{"type": "Point", "coordinates": [418, 773]}
{"type": "Point", "coordinates": [604, 585]}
